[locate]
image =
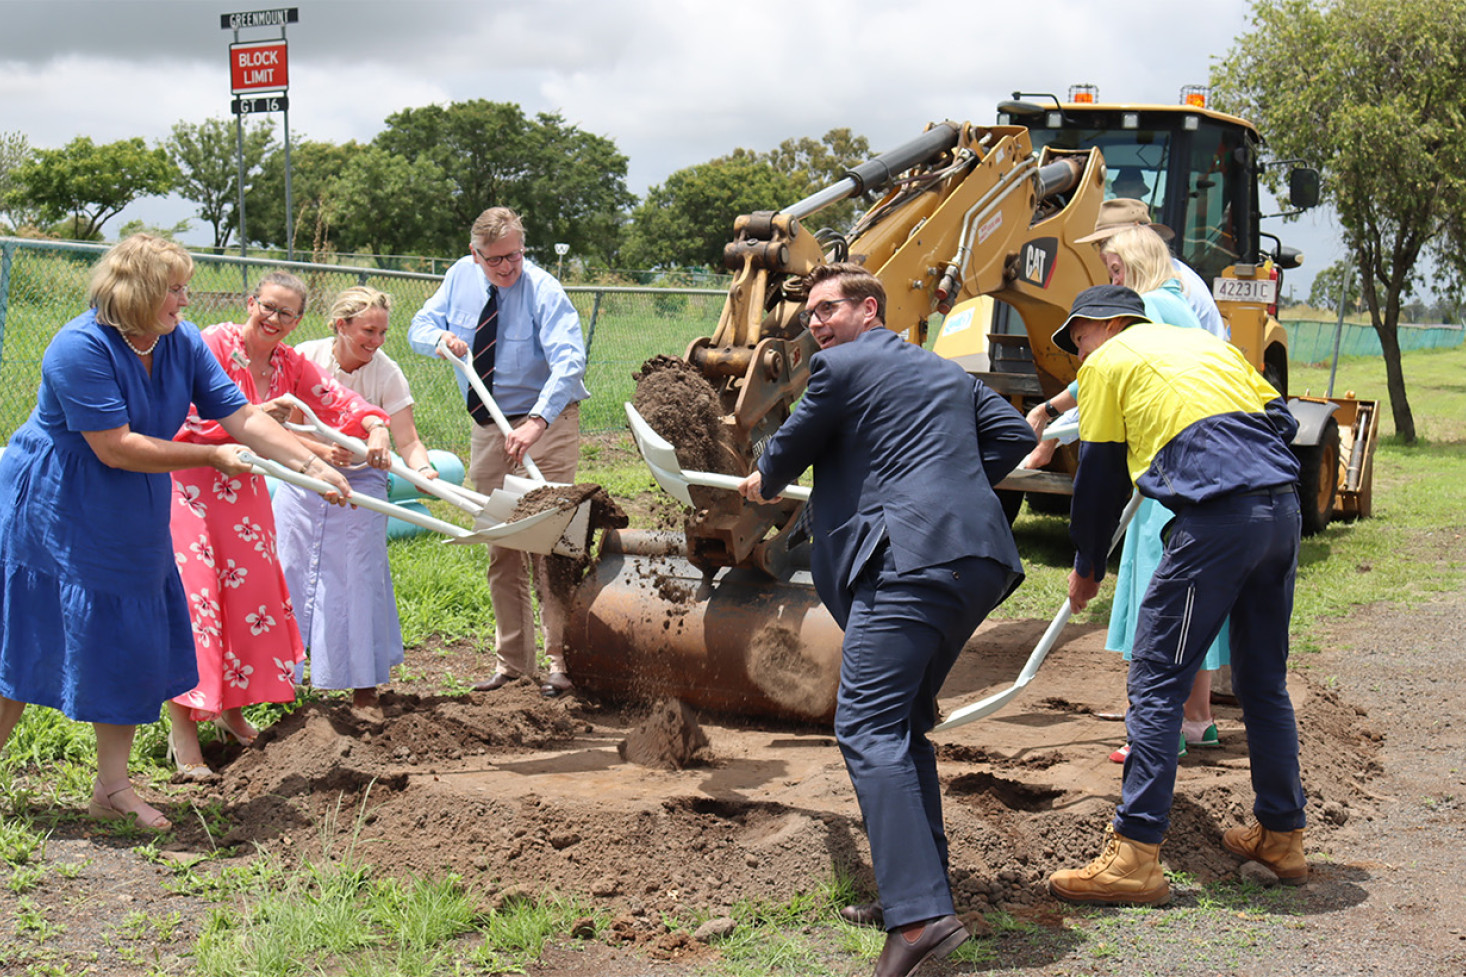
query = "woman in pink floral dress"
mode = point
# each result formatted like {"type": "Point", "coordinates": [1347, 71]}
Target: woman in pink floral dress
{"type": "Point", "coordinates": [224, 531]}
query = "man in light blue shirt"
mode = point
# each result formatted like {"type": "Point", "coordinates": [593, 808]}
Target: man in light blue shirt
{"type": "Point", "coordinates": [537, 377]}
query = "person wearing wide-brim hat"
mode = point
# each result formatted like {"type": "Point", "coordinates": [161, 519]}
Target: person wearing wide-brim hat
{"type": "Point", "coordinates": [1123, 213]}
{"type": "Point", "coordinates": [1120, 213]}
{"type": "Point", "coordinates": [1185, 418]}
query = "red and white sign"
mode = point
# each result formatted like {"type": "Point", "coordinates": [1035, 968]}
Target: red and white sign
{"type": "Point", "coordinates": [258, 66]}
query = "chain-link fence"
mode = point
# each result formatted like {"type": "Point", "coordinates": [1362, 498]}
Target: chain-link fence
{"type": "Point", "coordinates": [43, 285]}
{"type": "Point", "coordinates": [1311, 341]}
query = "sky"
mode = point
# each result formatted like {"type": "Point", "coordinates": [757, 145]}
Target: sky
{"type": "Point", "coordinates": [672, 83]}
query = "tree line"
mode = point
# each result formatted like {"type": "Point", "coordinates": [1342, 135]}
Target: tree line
{"type": "Point", "coordinates": [1369, 91]}
{"type": "Point", "coordinates": [418, 185]}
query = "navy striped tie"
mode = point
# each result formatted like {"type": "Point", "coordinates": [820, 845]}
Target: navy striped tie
{"type": "Point", "coordinates": [484, 338]}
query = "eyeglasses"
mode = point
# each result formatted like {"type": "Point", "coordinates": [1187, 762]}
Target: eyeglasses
{"type": "Point", "coordinates": [495, 260]}
{"type": "Point", "coordinates": [268, 310]}
{"type": "Point", "coordinates": [821, 312]}
{"type": "Point", "coordinates": [179, 291]}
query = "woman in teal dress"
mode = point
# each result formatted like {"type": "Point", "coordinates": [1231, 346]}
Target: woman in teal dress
{"type": "Point", "coordinates": [93, 619]}
{"type": "Point", "coordinates": [1137, 257]}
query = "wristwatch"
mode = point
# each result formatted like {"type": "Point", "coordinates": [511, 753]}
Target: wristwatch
{"type": "Point", "coordinates": [1051, 410]}
{"type": "Point", "coordinates": [537, 417]}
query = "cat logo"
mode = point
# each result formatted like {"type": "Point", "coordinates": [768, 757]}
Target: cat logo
{"type": "Point", "coordinates": [1037, 264]}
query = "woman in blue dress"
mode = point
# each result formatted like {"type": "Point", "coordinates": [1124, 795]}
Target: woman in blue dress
{"type": "Point", "coordinates": [93, 619]}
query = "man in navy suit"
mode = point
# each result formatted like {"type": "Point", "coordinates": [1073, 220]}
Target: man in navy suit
{"type": "Point", "coordinates": [910, 552]}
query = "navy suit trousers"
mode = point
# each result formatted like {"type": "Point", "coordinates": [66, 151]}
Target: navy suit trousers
{"type": "Point", "coordinates": [902, 638]}
{"type": "Point", "coordinates": [1237, 556]}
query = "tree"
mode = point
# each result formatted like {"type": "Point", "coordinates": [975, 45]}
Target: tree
{"type": "Point", "coordinates": [314, 169]}
{"type": "Point", "coordinates": [687, 220]}
{"type": "Point", "coordinates": [207, 158]}
{"type": "Point", "coordinates": [15, 152]}
{"type": "Point", "coordinates": [1370, 90]}
{"type": "Point", "coordinates": [389, 205]}
{"type": "Point", "coordinates": [92, 183]}
{"type": "Point", "coordinates": [1327, 284]}
{"type": "Point", "coordinates": [817, 164]}
{"type": "Point", "coordinates": [567, 185]}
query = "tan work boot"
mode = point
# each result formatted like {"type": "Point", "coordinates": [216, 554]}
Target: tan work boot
{"type": "Point", "coordinates": [1126, 872]}
{"type": "Point", "coordinates": [1281, 851]}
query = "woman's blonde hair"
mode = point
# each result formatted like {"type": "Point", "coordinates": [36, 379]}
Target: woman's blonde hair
{"type": "Point", "coordinates": [1145, 257]}
{"type": "Point", "coordinates": [131, 281]}
{"type": "Point", "coordinates": [354, 301]}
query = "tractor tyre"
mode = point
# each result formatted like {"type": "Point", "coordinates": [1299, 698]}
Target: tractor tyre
{"type": "Point", "coordinates": [1318, 478]}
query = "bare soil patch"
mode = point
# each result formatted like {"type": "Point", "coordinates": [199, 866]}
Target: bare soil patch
{"type": "Point", "coordinates": [511, 789]}
{"type": "Point", "coordinates": [516, 792]}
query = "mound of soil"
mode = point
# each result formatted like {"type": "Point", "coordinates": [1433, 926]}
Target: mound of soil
{"type": "Point", "coordinates": [680, 405]}
{"type": "Point", "coordinates": [512, 790]}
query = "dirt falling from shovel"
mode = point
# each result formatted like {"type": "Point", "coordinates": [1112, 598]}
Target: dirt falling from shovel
{"type": "Point", "coordinates": [564, 573]}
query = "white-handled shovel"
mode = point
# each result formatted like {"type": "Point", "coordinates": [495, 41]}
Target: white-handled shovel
{"type": "Point", "coordinates": [502, 422]}
{"type": "Point", "coordinates": [573, 521]}
{"type": "Point", "coordinates": [456, 534]}
{"type": "Point", "coordinates": [456, 495]}
{"type": "Point", "coordinates": [661, 458]}
{"type": "Point", "coordinates": [998, 700]}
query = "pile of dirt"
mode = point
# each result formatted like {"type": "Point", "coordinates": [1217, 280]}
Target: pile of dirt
{"type": "Point", "coordinates": [510, 789]}
{"type": "Point", "coordinates": [669, 739]}
{"type": "Point", "coordinates": [680, 405]}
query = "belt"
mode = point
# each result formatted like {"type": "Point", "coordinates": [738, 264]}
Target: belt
{"type": "Point", "coordinates": [1270, 490]}
{"type": "Point", "coordinates": [513, 419]}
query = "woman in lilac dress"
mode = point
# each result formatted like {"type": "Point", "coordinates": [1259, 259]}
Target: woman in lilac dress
{"type": "Point", "coordinates": [335, 561]}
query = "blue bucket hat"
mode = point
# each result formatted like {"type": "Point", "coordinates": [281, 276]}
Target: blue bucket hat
{"type": "Point", "coordinates": [1099, 302]}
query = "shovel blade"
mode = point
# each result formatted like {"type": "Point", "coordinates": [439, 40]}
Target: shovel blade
{"type": "Point", "coordinates": [659, 456]}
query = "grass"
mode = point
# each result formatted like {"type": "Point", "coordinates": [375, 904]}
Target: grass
{"type": "Point", "coordinates": [338, 916]}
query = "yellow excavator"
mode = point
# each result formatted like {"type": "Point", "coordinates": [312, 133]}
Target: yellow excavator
{"type": "Point", "coordinates": [973, 234]}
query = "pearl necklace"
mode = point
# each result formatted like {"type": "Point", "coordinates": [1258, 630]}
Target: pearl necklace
{"type": "Point", "coordinates": [139, 352]}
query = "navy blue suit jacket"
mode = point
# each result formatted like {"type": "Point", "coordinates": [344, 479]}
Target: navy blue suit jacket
{"type": "Point", "coordinates": [906, 447]}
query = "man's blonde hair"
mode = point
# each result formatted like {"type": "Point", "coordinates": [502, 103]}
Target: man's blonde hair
{"type": "Point", "coordinates": [493, 224]}
{"type": "Point", "coordinates": [131, 281]}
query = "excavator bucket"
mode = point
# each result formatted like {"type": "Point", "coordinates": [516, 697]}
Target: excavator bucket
{"type": "Point", "coordinates": [646, 624]}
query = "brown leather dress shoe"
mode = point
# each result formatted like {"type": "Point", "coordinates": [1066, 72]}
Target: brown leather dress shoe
{"type": "Point", "coordinates": [498, 681]}
{"type": "Point", "coordinates": [864, 914]}
{"type": "Point", "coordinates": [938, 938]}
{"type": "Point", "coordinates": [557, 684]}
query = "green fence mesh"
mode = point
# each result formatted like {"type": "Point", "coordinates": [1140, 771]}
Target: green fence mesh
{"type": "Point", "coordinates": [1313, 342]}
{"type": "Point", "coordinates": [43, 286]}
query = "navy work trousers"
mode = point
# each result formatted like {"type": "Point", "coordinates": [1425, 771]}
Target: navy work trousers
{"type": "Point", "coordinates": [1237, 556]}
{"type": "Point", "coordinates": [902, 638]}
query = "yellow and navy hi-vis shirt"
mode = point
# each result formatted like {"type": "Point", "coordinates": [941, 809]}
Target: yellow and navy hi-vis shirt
{"type": "Point", "coordinates": [1182, 415]}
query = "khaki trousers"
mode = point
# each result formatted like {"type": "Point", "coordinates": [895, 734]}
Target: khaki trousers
{"type": "Point", "coordinates": [556, 454]}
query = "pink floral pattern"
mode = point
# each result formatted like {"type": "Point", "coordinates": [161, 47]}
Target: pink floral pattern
{"type": "Point", "coordinates": [224, 541]}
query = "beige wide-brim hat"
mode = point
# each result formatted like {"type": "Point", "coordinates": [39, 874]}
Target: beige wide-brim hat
{"type": "Point", "coordinates": [1119, 214]}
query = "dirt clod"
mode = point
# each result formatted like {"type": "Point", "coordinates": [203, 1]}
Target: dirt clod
{"type": "Point", "coordinates": [669, 739]}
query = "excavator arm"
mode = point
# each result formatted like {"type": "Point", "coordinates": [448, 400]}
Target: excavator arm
{"type": "Point", "coordinates": [966, 211]}
{"type": "Point", "coordinates": [724, 616]}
